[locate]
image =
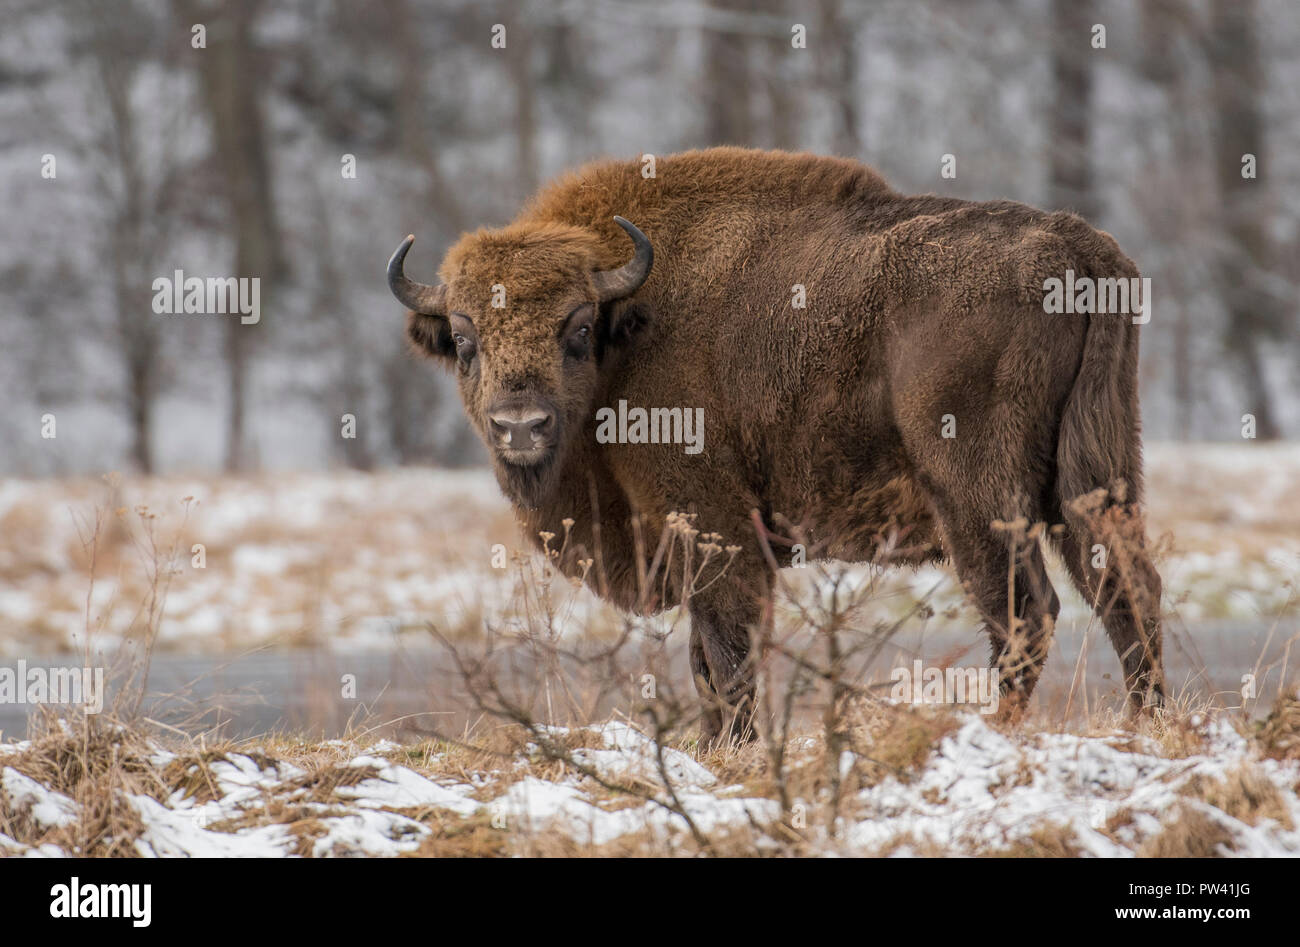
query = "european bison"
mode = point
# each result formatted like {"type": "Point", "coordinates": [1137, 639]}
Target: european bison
{"type": "Point", "coordinates": [877, 375]}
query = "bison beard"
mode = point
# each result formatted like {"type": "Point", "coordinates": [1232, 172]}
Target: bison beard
{"type": "Point", "coordinates": [919, 401]}
{"type": "Point", "coordinates": [528, 485]}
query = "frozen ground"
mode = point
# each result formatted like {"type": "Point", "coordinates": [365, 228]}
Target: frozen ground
{"type": "Point", "coordinates": [975, 790]}
{"type": "Point", "coordinates": [363, 561]}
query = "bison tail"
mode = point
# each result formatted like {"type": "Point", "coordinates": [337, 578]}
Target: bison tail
{"type": "Point", "coordinates": [1099, 444]}
{"type": "Point", "coordinates": [1099, 487]}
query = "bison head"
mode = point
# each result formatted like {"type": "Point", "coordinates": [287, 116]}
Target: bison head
{"type": "Point", "coordinates": [524, 316]}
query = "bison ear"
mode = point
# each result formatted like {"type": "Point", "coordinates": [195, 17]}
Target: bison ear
{"type": "Point", "coordinates": [624, 320]}
{"type": "Point", "coordinates": [430, 335]}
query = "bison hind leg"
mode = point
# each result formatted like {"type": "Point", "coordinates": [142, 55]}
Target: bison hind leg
{"type": "Point", "coordinates": [1001, 566]}
{"type": "Point", "coordinates": [1030, 603]}
{"type": "Point", "coordinates": [1104, 549]}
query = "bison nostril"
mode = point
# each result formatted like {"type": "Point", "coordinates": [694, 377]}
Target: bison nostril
{"type": "Point", "coordinates": [521, 429]}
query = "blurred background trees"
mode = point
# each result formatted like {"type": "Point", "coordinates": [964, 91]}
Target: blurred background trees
{"type": "Point", "coordinates": [232, 159]}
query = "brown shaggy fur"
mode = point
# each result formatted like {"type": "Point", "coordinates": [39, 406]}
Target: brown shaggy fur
{"type": "Point", "coordinates": [828, 417]}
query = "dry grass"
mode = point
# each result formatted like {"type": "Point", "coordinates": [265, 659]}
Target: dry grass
{"type": "Point", "coordinates": [96, 763]}
{"type": "Point", "coordinates": [895, 741]}
{"type": "Point", "coordinates": [1245, 794]}
{"type": "Point", "coordinates": [1049, 841]}
{"type": "Point", "coordinates": [1279, 734]}
{"type": "Point", "coordinates": [1191, 833]}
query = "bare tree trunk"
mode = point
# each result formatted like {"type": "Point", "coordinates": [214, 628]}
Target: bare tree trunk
{"type": "Point", "coordinates": [349, 393]}
{"type": "Point", "coordinates": [782, 94]}
{"type": "Point", "coordinates": [141, 391]}
{"type": "Point", "coordinates": [1070, 120]}
{"type": "Point", "coordinates": [412, 395]}
{"type": "Point", "coordinates": [1165, 25]}
{"type": "Point", "coordinates": [1246, 256]}
{"type": "Point", "coordinates": [838, 49]}
{"type": "Point", "coordinates": [519, 49]}
{"type": "Point", "coordinates": [568, 78]}
{"type": "Point", "coordinates": [727, 117]}
{"type": "Point", "coordinates": [129, 250]}
{"type": "Point", "coordinates": [229, 77]}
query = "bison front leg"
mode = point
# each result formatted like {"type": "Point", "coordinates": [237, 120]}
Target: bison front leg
{"type": "Point", "coordinates": [726, 621]}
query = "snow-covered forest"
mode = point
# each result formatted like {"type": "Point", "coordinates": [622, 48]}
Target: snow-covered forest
{"type": "Point", "coordinates": [298, 141]}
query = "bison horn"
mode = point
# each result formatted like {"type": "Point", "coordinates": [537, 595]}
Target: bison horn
{"type": "Point", "coordinates": [419, 297]}
{"type": "Point", "coordinates": [627, 279]}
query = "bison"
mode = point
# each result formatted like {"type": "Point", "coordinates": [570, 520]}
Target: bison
{"type": "Point", "coordinates": [877, 376]}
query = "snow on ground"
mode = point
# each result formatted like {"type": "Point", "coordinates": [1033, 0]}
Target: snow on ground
{"type": "Point", "coordinates": [979, 791]}
{"type": "Point", "coordinates": [349, 560]}
{"type": "Point", "coordinates": [982, 790]}
{"type": "Point", "coordinates": [43, 806]}
{"type": "Point", "coordinates": [363, 561]}
{"type": "Point", "coordinates": [396, 787]}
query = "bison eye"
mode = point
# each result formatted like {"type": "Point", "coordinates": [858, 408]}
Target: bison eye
{"type": "Point", "coordinates": [464, 338]}
{"type": "Point", "coordinates": [578, 343]}
{"type": "Point", "coordinates": [576, 335]}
